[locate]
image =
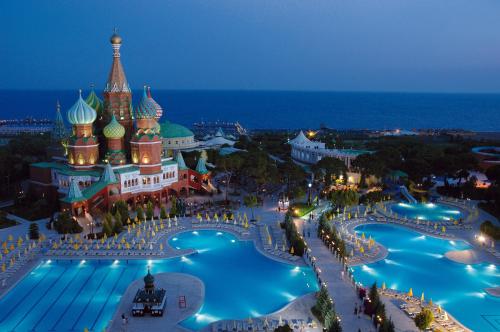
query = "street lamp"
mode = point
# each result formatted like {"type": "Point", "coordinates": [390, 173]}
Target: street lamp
{"type": "Point", "coordinates": [309, 196]}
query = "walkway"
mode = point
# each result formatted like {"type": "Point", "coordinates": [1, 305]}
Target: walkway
{"type": "Point", "coordinates": [342, 290]}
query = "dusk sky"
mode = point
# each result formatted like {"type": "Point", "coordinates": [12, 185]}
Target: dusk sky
{"type": "Point", "coordinates": [356, 45]}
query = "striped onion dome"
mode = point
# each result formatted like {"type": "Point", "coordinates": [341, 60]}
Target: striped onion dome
{"type": "Point", "coordinates": [81, 113]}
{"type": "Point", "coordinates": [94, 102]}
{"type": "Point", "coordinates": [113, 129]}
{"type": "Point", "coordinates": [145, 109]}
{"type": "Point", "coordinates": [159, 110]}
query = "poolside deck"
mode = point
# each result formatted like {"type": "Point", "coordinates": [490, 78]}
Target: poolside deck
{"type": "Point", "coordinates": [176, 284]}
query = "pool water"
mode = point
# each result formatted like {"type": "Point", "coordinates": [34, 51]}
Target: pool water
{"type": "Point", "coordinates": [417, 261]}
{"type": "Point", "coordinates": [239, 283]}
{"type": "Point", "coordinates": [426, 211]}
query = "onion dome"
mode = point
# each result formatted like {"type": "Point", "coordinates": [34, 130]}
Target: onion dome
{"type": "Point", "coordinates": [159, 110]}
{"type": "Point", "coordinates": [94, 102]}
{"type": "Point", "coordinates": [113, 129]}
{"type": "Point", "coordinates": [115, 38]}
{"type": "Point", "coordinates": [149, 280]}
{"type": "Point", "coordinates": [81, 113]}
{"type": "Point", "coordinates": [174, 130]}
{"type": "Point", "coordinates": [145, 109]}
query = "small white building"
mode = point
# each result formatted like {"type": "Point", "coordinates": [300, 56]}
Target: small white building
{"type": "Point", "coordinates": [310, 152]}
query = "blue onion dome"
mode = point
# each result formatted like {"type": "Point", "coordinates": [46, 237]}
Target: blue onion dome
{"type": "Point", "coordinates": [81, 113]}
{"type": "Point", "coordinates": [94, 101]}
{"type": "Point", "coordinates": [113, 129]}
{"type": "Point", "coordinates": [145, 109]}
{"type": "Point", "coordinates": [159, 109]}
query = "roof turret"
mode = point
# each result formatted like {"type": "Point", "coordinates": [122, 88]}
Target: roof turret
{"type": "Point", "coordinates": [180, 161]}
{"type": "Point", "coordinates": [94, 101]}
{"type": "Point", "coordinates": [108, 175]}
{"type": "Point", "coordinates": [74, 192]}
{"type": "Point", "coordinates": [81, 113]}
{"type": "Point", "coordinates": [201, 166]}
{"type": "Point", "coordinates": [59, 130]}
{"type": "Point", "coordinates": [114, 129]}
{"type": "Point", "coordinates": [145, 109]}
{"type": "Point", "coordinates": [159, 109]}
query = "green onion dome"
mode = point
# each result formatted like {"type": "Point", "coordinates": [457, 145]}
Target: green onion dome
{"type": "Point", "coordinates": [81, 113]}
{"type": "Point", "coordinates": [174, 130]}
{"type": "Point", "coordinates": [145, 109]}
{"type": "Point", "coordinates": [94, 102]}
{"type": "Point", "coordinates": [113, 129]}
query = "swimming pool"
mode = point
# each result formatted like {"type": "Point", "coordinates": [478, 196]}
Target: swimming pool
{"type": "Point", "coordinates": [239, 283]}
{"type": "Point", "coordinates": [417, 261]}
{"type": "Point", "coordinates": [426, 211]}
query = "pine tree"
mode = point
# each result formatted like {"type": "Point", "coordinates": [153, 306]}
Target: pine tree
{"type": "Point", "coordinates": [163, 212]}
{"type": "Point", "coordinates": [140, 213]}
{"type": "Point", "coordinates": [149, 210]}
{"type": "Point", "coordinates": [118, 225]}
{"type": "Point", "coordinates": [106, 227]}
{"type": "Point", "coordinates": [173, 209]}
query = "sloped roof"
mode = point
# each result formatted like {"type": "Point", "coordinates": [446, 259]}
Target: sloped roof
{"type": "Point", "coordinates": [300, 139]}
{"type": "Point", "coordinates": [180, 161]}
{"type": "Point", "coordinates": [201, 166]}
{"type": "Point", "coordinates": [108, 175]}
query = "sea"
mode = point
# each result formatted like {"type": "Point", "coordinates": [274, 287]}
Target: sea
{"type": "Point", "coordinates": [292, 109]}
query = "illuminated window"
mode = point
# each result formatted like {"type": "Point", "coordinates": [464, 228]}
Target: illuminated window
{"type": "Point", "coordinates": [80, 159]}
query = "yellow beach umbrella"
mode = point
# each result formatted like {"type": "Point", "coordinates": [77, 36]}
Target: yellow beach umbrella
{"type": "Point", "coordinates": [443, 229]}
{"type": "Point", "coordinates": [422, 299]}
{"type": "Point", "coordinates": [410, 292]}
{"type": "Point", "coordinates": [430, 303]}
{"type": "Point", "coordinates": [439, 308]}
{"type": "Point", "coordinates": [383, 285]}
{"type": "Point", "coordinates": [292, 251]}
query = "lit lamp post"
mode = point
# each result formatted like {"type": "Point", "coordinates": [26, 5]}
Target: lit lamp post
{"type": "Point", "coordinates": [309, 195]}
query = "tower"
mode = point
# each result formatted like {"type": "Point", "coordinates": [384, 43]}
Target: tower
{"type": "Point", "coordinates": [117, 95]}
{"type": "Point", "coordinates": [159, 109]}
{"type": "Point", "coordinates": [146, 144]}
{"type": "Point", "coordinates": [114, 133]}
{"type": "Point", "coordinates": [83, 146]}
{"type": "Point", "coordinates": [59, 130]}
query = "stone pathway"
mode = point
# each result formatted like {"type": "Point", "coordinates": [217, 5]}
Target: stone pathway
{"type": "Point", "coordinates": [342, 290]}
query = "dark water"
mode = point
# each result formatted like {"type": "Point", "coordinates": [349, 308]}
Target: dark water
{"type": "Point", "coordinates": [272, 109]}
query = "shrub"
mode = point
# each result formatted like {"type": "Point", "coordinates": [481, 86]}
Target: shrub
{"type": "Point", "coordinates": [424, 319]}
{"type": "Point", "coordinates": [66, 224]}
{"type": "Point", "coordinates": [284, 328]}
{"type": "Point", "coordinates": [117, 226]}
